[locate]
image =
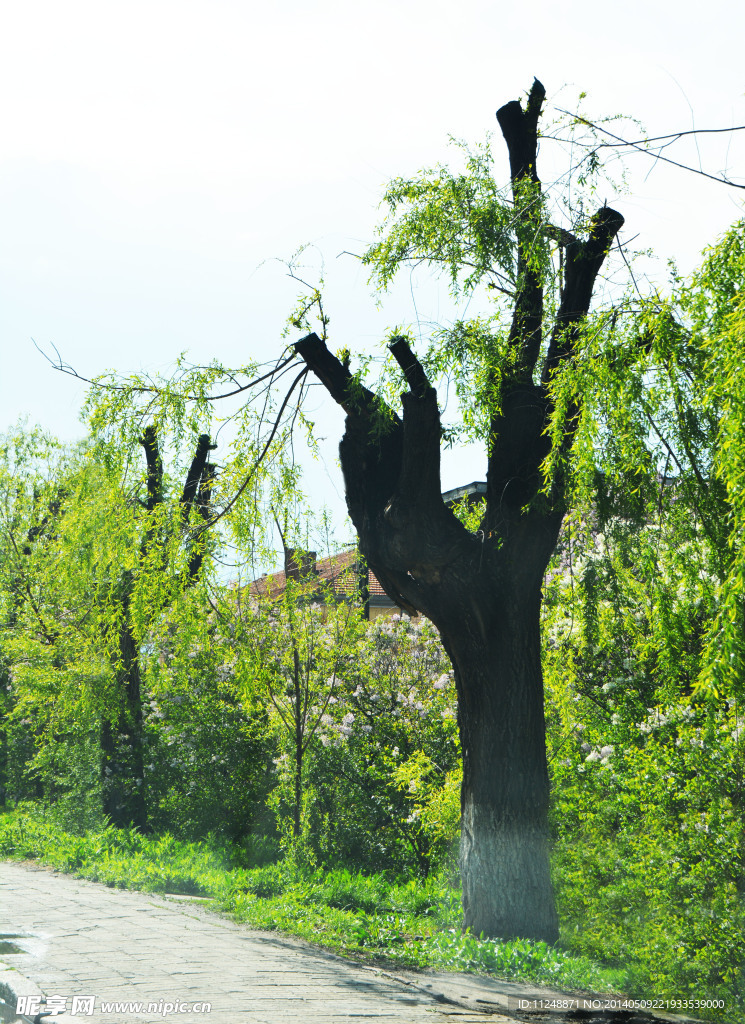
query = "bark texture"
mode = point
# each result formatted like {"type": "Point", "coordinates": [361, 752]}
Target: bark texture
{"type": "Point", "coordinates": [482, 591]}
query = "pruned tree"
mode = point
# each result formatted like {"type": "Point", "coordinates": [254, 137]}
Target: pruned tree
{"type": "Point", "coordinates": [483, 590]}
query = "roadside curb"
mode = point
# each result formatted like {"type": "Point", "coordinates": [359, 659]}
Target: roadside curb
{"type": "Point", "coordinates": [492, 996]}
{"type": "Point", "coordinates": [14, 985]}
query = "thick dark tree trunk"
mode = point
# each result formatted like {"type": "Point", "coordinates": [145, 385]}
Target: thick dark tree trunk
{"type": "Point", "coordinates": [299, 748]}
{"type": "Point", "coordinates": [122, 761]}
{"type": "Point", "coordinates": [504, 796]}
{"type": "Point", "coordinates": [482, 590]}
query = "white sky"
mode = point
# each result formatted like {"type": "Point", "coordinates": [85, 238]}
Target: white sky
{"type": "Point", "coordinates": [153, 154]}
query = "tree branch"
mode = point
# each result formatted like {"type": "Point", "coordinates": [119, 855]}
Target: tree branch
{"type": "Point", "coordinates": [642, 146]}
{"type": "Point", "coordinates": [520, 131]}
{"type": "Point", "coordinates": [149, 442]}
{"type": "Point", "coordinates": [419, 478]}
{"type": "Point", "coordinates": [202, 505]}
{"type": "Point", "coordinates": [583, 263]}
{"type": "Point", "coordinates": [211, 522]}
{"type": "Point", "coordinates": [416, 378]}
{"type": "Point", "coordinates": [139, 389]}
{"type": "Point", "coordinates": [195, 476]}
{"type": "Point", "coordinates": [353, 397]}
{"type": "Point", "coordinates": [391, 472]}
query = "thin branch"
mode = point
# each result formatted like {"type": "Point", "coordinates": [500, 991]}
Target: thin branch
{"type": "Point", "coordinates": [655, 138]}
{"type": "Point", "coordinates": [244, 485]}
{"type": "Point", "coordinates": [51, 635]}
{"type": "Point", "coordinates": [641, 147]}
{"type": "Point", "coordinates": [141, 389]}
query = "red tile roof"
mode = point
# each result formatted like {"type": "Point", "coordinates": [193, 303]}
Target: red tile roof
{"type": "Point", "coordinates": [339, 571]}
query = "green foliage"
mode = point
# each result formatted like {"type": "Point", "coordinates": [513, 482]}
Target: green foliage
{"type": "Point", "coordinates": [405, 923]}
{"type": "Point", "coordinates": [290, 727]}
{"type": "Point", "coordinates": [388, 756]}
{"type": "Point", "coordinates": [208, 749]}
{"type": "Point", "coordinates": [470, 513]}
{"type": "Point", "coordinates": [647, 768]}
{"type": "Point", "coordinates": [460, 223]}
{"type": "Point", "coordinates": [363, 721]}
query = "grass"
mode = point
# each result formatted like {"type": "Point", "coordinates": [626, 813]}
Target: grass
{"type": "Point", "coordinates": [413, 924]}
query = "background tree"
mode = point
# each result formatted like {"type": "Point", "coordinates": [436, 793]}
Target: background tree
{"type": "Point", "coordinates": [482, 590]}
{"type": "Point", "coordinates": [644, 651]}
{"type": "Point", "coordinates": [296, 644]}
{"type": "Point", "coordinates": [122, 762]}
{"type": "Point", "coordinates": [30, 503]}
{"type": "Point", "coordinates": [92, 565]}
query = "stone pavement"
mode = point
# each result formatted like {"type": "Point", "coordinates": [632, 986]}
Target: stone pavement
{"type": "Point", "coordinates": [146, 958]}
{"type": "Point", "coordinates": [66, 937]}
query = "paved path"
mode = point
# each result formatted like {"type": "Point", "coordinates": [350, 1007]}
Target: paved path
{"type": "Point", "coordinates": [78, 938]}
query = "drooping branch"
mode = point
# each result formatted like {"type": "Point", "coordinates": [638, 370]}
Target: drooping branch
{"type": "Point", "coordinates": [262, 455]}
{"type": "Point", "coordinates": [153, 389]}
{"type": "Point", "coordinates": [50, 635]}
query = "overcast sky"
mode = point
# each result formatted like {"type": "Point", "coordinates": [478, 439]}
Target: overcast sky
{"type": "Point", "coordinates": [154, 155]}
